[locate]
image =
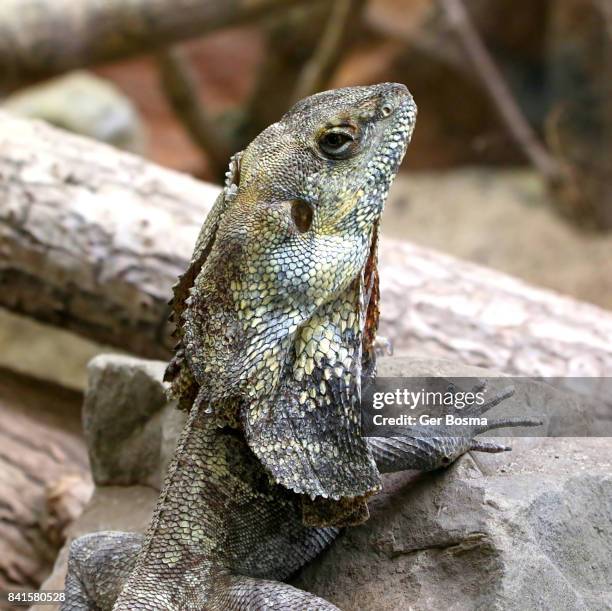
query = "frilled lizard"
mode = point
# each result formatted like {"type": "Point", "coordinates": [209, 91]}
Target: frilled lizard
{"type": "Point", "coordinates": [276, 319]}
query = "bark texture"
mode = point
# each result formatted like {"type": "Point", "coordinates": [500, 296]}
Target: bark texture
{"type": "Point", "coordinates": [44, 477]}
{"type": "Point", "coordinates": [92, 239]}
{"type": "Point", "coordinates": [42, 38]}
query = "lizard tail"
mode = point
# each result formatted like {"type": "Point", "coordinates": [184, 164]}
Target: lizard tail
{"type": "Point", "coordinates": [240, 593]}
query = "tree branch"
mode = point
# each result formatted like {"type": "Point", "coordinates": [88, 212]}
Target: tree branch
{"type": "Point", "coordinates": [91, 239]}
{"type": "Point", "coordinates": [290, 39]}
{"type": "Point", "coordinates": [180, 84]}
{"type": "Point", "coordinates": [42, 39]}
{"type": "Point", "coordinates": [499, 92]}
{"type": "Point", "coordinates": [319, 68]}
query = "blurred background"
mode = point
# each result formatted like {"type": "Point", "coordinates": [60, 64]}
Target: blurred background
{"type": "Point", "coordinates": [510, 164]}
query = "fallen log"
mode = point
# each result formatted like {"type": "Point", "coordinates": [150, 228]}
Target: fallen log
{"type": "Point", "coordinates": [91, 239]}
{"type": "Point", "coordinates": [46, 38]}
{"type": "Point", "coordinates": [44, 476]}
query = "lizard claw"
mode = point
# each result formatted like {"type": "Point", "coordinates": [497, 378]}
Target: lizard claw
{"type": "Point", "coordinates": [467, 441]}
{"type": "Point", "coordinates": [507, 423]}
{"type": "Point", "coordinates": [479, 445]}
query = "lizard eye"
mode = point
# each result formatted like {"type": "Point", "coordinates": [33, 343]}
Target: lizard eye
{"type": "Point", "coordinates": [337, 143]}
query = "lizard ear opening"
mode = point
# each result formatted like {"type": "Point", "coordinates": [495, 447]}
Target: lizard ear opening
{"type": "Point", "coordinates": [302, 214]}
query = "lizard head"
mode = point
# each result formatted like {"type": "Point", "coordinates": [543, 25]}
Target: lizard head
{"type": "Point", "coordinates": [329, 162]}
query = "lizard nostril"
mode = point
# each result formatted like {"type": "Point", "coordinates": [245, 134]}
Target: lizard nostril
{"type": "Point", "coordinates": [386, 110]}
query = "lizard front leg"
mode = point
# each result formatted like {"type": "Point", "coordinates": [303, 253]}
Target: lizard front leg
{"type": "Point", "coordinates": [98, 567]}
{"type": "Point", "coordinates": [425, 448]}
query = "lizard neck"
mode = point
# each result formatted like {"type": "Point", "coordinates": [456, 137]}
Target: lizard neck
{"type": "Point", "coordinates": [184, 544]}
{"type": "Point", "coordinates": [187, 492]}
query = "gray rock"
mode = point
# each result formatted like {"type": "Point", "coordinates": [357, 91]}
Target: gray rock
{"type": "Point", "coordinates": [85, 104]}
{"type": "Point", "coordinates": [123, 412]}
{"type": "Point", "coordinates": [530, 529]}
{"type": "Point", "coordinates": [125, 508]}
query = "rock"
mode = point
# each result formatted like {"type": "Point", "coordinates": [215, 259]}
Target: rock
{"type": "Point", "coordinates": [65, 500]}
{"type": "Point", "coordinates": [85, 104]}
{"type": "Point", "coordinates": [111, 508]}
{"type": "Point", "coordinates": [131, 430]}
{"type": "Point", "coordinates": [523, 530]}
{"type": "Point", "coordinates": [122, 416]}
{"type": "Point", "coordinates": [527, 529]}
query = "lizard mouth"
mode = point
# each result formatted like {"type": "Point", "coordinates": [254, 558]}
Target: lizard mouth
{"type": "Point", "coordinates": [397, 112]}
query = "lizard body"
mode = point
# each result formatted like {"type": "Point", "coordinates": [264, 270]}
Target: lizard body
{"type": "Point", "coordinates": [276, 318]}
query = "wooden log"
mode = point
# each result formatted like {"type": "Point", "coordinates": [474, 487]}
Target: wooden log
{"type": "Point", "coordinates": [44, 476]}
{"type": "Point", "coordinates": [91, 239]}
{"type": "Point", "coordinates": [43, 38]}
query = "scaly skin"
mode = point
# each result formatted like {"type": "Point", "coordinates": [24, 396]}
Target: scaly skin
{"type": "Point", "coordinates": [276, 319]}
